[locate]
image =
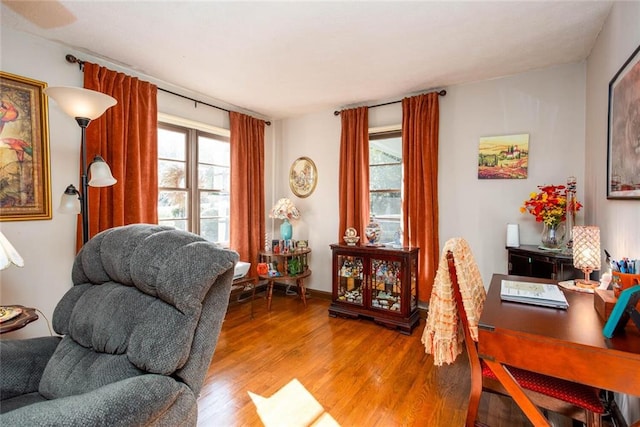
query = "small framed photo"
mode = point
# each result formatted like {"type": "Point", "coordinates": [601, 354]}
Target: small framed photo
{"type": "Point", "coordinates": [24, 150]}
{"type": "Point", "coordinates": [623, 142]}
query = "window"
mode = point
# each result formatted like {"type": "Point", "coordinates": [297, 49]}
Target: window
{"type": "Point", "coordinates": [194, 181]}
{"type": "Point", "coordinates": [385, 182]}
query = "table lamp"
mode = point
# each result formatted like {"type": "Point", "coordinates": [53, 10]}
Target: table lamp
{"type": "Point", "coordinates": [8, 254]}
{"type": "Point", "coordinates": [586, 252]}
{"type": "Point", "coordinates": [285, 210]}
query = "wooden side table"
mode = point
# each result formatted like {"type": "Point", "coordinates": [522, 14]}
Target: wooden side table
{"type": "Point", "coordinates": [27, 316]}
{"type": "Point", "coordinates": [280, 263]}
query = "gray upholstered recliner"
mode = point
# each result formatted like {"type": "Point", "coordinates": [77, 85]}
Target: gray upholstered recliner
{"type": "Point", "coordinates": [139, 328]}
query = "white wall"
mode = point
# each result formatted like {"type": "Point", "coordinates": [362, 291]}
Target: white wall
{"type": "Point", "coordinates": [48, 247]}
{"type": "Point", "coordinates": [548, 104]}
{"type": "Point", "coordinates": [619, 220]}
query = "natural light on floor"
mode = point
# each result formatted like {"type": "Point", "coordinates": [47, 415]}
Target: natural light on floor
{"type": "Point", "coordinates": [292, 406]}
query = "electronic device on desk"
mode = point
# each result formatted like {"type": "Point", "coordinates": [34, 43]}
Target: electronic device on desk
{"type": "Point", "coordinates": [241, 269]}
{"type": "Point", "coordinates": [624, 310]}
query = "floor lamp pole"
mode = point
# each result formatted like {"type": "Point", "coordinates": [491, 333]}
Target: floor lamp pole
{"type": "Point", "coordinates": [84, 207]}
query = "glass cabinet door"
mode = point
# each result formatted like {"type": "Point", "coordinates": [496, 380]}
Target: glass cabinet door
{"type": "Point", "coordinates": [386, 285]}
{"type": "Point", "coordinates": [351, 286]}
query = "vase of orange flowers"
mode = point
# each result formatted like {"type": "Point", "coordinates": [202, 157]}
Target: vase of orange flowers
{"type": "Point", "coordinates": [549, 206]}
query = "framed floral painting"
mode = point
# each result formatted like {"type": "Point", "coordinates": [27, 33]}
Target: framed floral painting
{"type": "Point", "coordinates": [25, 182]}
{"type": "Point", "coordinates": [623, 143]}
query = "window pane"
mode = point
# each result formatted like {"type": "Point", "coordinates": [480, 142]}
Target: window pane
{"type": "Point", "coordinates": [172, 174]}
{"type": "Point", "coordinates": [213, 151]}
{"type": "Point", "coordinates": [214, 205]}
{"type": "Point", "coordinates": [180, 224]}
{"type": "Point", "coordinates": [215, 229]}
{"type": "Point", "coordinates": [213, 178]}
{"type": "Point", "coordinates": [171, 145]}
{"type": "Point", "coordinates": [385, 177]}
{"type": "Point", "coordinates": [173, 204]}
{"type": "Point", "coordinates": [385, 203]}
{"type": "Point", "coordinates": [387, 208]}
{"type": "Point", "coordinates": [386, 150]}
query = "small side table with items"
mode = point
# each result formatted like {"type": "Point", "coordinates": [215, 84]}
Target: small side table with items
{"type": "Point", "coordinates": [242, 285]}
{"type": "Point", "coordinates": [531, 261]}
{"type": "Point", "coordinates": [286, 266]}
{"type": "Point", "coordinates": [14, 317]}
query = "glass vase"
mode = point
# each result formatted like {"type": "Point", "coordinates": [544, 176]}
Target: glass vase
{"type": "Point", "coordinates": [552, 236]}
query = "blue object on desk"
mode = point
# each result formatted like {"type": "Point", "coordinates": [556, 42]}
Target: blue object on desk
{"type": "Point", "coordinates": [624, 309]}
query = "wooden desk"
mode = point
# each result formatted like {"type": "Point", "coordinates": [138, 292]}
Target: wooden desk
{"type": "Point", "coordinates": [561, 343]}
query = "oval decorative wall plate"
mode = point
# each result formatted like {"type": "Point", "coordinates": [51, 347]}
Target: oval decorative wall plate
{"type": "Point", "coordinates": [303, 177]}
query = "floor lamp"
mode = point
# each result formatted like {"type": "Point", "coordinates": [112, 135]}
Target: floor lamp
{"type": "Point", "coordinates": [84, 105]}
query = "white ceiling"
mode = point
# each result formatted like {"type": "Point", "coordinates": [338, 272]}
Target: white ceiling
{"type": "Point", "coordinates": [283, 59]}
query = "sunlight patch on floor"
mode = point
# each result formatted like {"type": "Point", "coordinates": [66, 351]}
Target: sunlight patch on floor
{"type": "Point", "coordinates": [292, 406]}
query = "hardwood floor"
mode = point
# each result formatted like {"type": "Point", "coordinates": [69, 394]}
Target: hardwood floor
{"type": "Point", "coordinates": [361, 373]}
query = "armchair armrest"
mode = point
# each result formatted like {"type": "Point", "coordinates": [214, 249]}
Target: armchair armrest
{"type": "Point", "coordinates": [23, 362]}
{"type": "Point", "coordinates": [145, 400]}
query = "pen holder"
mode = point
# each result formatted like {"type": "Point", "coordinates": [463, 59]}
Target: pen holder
{"type": "Point", "coordinates": [625, 280]}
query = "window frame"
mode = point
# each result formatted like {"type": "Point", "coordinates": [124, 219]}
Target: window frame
{"type": "Point", "coordinates": [386, 133]}
{"type": "Point", "coordinates": [192, 132]}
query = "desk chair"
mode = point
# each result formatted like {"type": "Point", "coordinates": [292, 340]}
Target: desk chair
{"type": "Point", "coordinates": [570, 399]}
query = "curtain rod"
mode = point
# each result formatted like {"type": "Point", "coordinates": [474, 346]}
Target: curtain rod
{"type": "Point", "coordinates": [441, 93]}
{"type": "Point", "coordinates": [73, 60]}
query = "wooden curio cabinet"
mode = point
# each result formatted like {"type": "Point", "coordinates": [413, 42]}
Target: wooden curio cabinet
{"type": "Point", "coordinates": [378, 283]}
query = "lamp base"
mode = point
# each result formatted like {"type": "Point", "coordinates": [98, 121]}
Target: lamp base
{"type": "Point", "coordinates": [588, 284]}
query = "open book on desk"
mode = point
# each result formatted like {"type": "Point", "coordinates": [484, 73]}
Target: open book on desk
{"type": "Point", "coordinates": [542, 294]}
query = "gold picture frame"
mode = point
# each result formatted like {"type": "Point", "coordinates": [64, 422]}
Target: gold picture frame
{"type": "Point", "coordinates": [303, 177]}
{"type": "Point", "coordinates": [25, 181]}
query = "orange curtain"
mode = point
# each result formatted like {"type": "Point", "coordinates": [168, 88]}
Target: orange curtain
{"type": "Point", "coordinates": [126, 136]}
{"type": "Point", "coordinates": [420, 122]}
{"type": "Point", "coordinates": [354, 171]}
{"type": "Point", "coordinates": [247, 187]}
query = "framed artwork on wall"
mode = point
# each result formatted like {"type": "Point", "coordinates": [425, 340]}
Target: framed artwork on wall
{"type": "Point", "coordinates": [25, 182]}
{"type": "Point", "coordinates": [303, 177]}
{"type": "Point", "coordinates": [503, 157]}
{"type": "Point", "coordinates": [623, 142]}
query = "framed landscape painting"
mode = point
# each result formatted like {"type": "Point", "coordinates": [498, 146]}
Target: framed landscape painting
{"type": "Point", "coordinates": [623, 143]}
{"type": "Point", "coordinates": [503, 157]}
{"type": "Point", "coordinates": [25, 183]}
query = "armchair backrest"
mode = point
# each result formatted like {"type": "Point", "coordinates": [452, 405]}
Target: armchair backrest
{"type": "Point", "coordinates": [146, 299]}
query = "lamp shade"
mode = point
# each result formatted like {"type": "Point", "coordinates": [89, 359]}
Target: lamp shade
{"type": "Point", "coordinates": [80, 102]}
{"type": "Point", "coordinates": [100, 173]}
{"type": "Point", "coordinates": [586, 247]}
{"type": "Point", "coordinates": [69, 201]}
{"type": "Point", "coordinates": [8, 254]}
{"type": "Point", "coordinates": [284, 209]}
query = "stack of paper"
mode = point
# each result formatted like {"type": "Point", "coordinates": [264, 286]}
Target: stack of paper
{"type": "Point", "coordinates": [542, 294]}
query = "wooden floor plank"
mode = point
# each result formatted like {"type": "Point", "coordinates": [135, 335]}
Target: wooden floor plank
{"type": "Point", "coordinates": [362, 374]}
